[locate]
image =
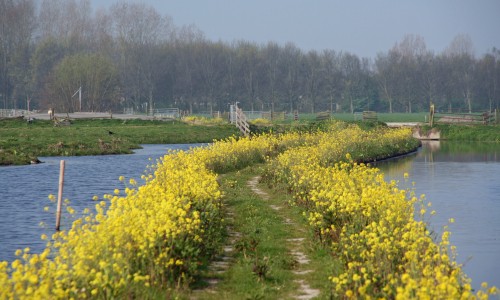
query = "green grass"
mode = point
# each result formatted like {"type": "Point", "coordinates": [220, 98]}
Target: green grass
{"type": "Point", "coordinates": [21, 142]}
{"type": "Point", "coordinates": [489, 133]}
{"type": "Point", "coordinates": [264, 242]}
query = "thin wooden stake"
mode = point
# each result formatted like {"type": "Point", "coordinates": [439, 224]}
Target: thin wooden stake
{"type": "Point", "coordinates": [59, 196]}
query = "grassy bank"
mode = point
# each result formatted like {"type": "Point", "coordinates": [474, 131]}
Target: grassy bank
{"type": "Point", "coordinates": [358, 236]}
{"type": "Point", "coordinates": [21, 143]}
{"type": "Point", "coordinates": [483, 133]}
{"type": "Point", "coordinates": [156, 238]}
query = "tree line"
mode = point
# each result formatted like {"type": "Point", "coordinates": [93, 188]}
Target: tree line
{"type": "Point", "coordinates": [131, 57]}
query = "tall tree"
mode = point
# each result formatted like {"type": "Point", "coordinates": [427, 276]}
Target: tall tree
{"type": "Point", "coordinates": [331, 65]}
{"type": "Point", "coordinates": [248, 68]}
{"type": "Point", "coordinates": [487, 79]}
{"type": "Point", "coordinates": [139, 31]}
{"type": "Point", "coordinates": [314, 78]}
{"type": "Point", "coordinates": [291, 59]}
{"type": "Point", "coordinates": [47, 55]}
{"type": "Point", "coordinates": [94, 74]}
{"type": "Point", "coordinates": [17, 25]}
{"type": "Point", "coordinates": [460, 55]}
{"type": "Point", "coordinates": [408, 52]}
{"type": "Point", "coordinates": [351, 70]}
{"type": "Point", "coordinates": [69, 21]}
{"type": "Point", "coordinates": [271, 58]}
{"type": "Point", "coordinates": [184, 90]}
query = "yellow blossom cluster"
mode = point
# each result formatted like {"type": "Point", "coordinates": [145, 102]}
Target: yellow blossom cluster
{"type": "Point", "coordinates": [154, 234]}
{"type": "Point", "coordinates": [157, 234]}
{"type": "Point", "coordinates": [385, 248]}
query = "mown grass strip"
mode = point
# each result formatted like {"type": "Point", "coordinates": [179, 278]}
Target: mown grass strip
{"type": "Point", "coordinates": [266, 230]}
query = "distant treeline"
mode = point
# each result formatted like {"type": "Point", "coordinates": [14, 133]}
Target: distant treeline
{"type": "Point", "coordinates": [130, 56]}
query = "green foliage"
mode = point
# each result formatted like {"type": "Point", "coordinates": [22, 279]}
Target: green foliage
{"type": "Point", "coordinates": [489, 133]}
{"type": "Point", "coordinates": [21, 142]}
{"type": "Point", "coordinates": [95, 74]}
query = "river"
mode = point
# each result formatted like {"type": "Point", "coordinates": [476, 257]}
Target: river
{"type": "Point", "coordinates": [25, 191]}
{"type": "Point", "coordinates": [462, 181]}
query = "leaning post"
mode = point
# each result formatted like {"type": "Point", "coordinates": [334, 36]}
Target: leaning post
{"type": "Point", "coordinates": [59, 195]}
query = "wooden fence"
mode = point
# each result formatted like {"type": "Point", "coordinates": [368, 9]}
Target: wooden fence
{"type": "Point", "coordinates": [241, 122]}
{"type": "Point", "coordinates": [324, 115]}
{"type": "Point", "coordinates": [370, 116]}
{"type": "Point", "coordinates": [463, 118]}
{"type": "Point", "coordinates": [273, 115]}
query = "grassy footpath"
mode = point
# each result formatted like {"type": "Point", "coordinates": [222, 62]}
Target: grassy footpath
{"type": "Point", "coordinates": [21, 143]}
{"type": "Point", "coordinates": [264, 232]}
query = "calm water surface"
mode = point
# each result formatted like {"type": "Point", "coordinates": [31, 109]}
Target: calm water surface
{"type": "Point", "coordinates": [25, 191]}
{"type": "Point", "coordinates": [462, 181]}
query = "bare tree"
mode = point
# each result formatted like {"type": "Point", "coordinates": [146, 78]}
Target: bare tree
{"type": "Point", "coordinates": [461, 58]}
{"type": "Point", "coordinates": [271, 57]}
{"type": "Point", "coordinates": [351, 75]}
{"type": "Point", "coordinates": [331, 65]}
{"type": "Point", "coordinates": [314, 76]}
{"type": "Point", "coordinates": [17, 25]}
{"type": "Point", "coordinates": [291, 59]}
{"type": "Point", "coordinates": [139, 30]}
{"type": "Point", "coordinates": [248, 68]}
{"type": "Point", "coordinates": [69, 21]}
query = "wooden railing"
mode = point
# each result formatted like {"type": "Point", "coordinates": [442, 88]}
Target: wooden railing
{"type": "Point", "coordinates": [241, 122]}
{"type": "Point", "coordinates": [324, 115]}
{"type": "Point", "coordinates": [370, 116]}
{"type": "Point", "coordinates": [466, 118]}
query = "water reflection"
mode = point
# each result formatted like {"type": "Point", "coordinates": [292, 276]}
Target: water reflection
{"type": "Point", "coordinates": [25, 190]}
{"type": "Point", "coordinates": [462, 180]}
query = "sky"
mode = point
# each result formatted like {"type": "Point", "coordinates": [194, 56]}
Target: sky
{"type": "Point", "coordinates": [361, 27]}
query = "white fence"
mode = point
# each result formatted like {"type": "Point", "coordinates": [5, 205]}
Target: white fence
{"type": "Point", "coordinates": [173, 113]}
{"type": "Point", "coordinates": [252, 115]}
{"type": "Point", "coordinates": [5, 113]}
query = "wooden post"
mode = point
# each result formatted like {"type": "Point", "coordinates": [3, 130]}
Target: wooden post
{"type": "Point", "coordinates": [431, 115]}
{"type": "Point", "coordinates": [59, 195]}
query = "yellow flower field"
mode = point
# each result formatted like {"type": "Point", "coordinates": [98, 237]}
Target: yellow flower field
{"type": "Point", "coordinates": [375, 229]}
{"type": "Point", "coordinates": [157, 235]}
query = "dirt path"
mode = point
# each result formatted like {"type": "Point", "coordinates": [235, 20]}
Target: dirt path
{"type": "Point", "coordinates": [294, 245]}
{"type": "Point", "coordinates": [219, 269]}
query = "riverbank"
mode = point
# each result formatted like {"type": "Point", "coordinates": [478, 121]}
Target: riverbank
{"type": "Point", "coordinates": [453, 132]}
{"type": "Point", "coordinates": [479, 133]}
{"type": "Point", "coordinates": [22, 142]}
{"type": "Point", "coordinates": [155, 240]}
{"type": "Point", "coordinates": [137, 245]}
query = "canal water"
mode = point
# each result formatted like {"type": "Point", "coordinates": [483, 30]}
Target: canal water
{"type": "Point", "coordinates": [25, 191]}
{"type": "Point", "coordinates": [462, 181]}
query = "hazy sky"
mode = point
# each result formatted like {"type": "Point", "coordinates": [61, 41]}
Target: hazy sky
{"type": "Point", "coordinates": [362, 27]}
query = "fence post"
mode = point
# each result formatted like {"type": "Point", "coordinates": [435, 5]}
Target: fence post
{"type": "Point", "coordinates": [59, 195]}
{"type": "Point", "coordinates": [431, 115]}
